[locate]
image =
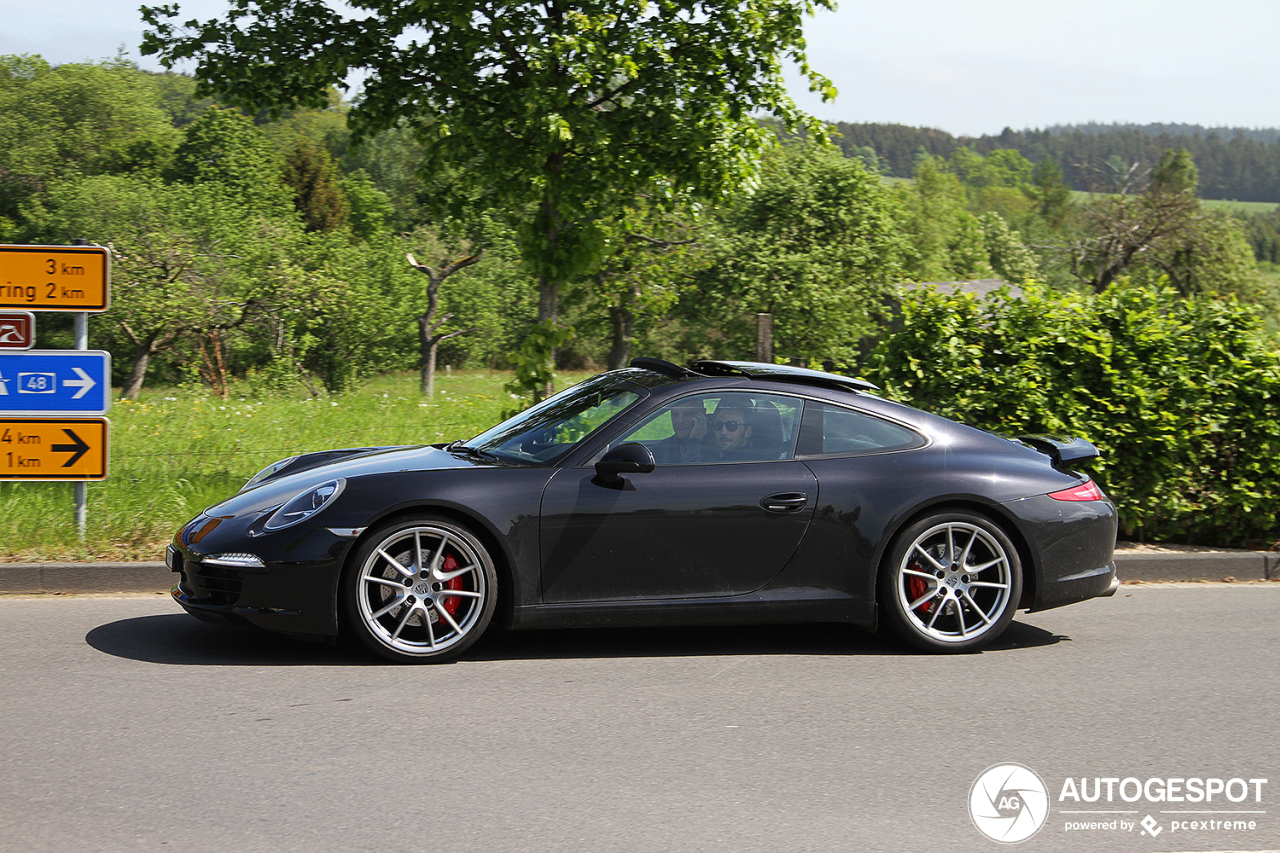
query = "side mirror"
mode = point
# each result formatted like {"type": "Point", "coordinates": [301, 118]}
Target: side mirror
{"type": "Point", "coordinates": [629, 458]}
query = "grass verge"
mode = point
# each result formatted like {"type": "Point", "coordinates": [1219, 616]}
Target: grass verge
{"type": "Point", "coordinates": [177, 450]}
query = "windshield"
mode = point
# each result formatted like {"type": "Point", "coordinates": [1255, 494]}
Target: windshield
{"type": "Point", "coordinates": [549, 430]}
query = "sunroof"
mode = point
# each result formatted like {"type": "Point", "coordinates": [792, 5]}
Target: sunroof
{"type": "Point", "coordinates": [782, 373]}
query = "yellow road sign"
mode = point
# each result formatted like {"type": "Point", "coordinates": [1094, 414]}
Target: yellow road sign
{"type": "Point", "coordinates": [53, 448]}
{"type": "Point", "coordinates": [55, 278]}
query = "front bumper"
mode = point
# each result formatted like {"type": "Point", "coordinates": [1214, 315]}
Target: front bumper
{"type": "Point", "coordinates": [294, 591]}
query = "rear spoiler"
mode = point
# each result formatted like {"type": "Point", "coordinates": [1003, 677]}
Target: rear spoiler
{"type": "Point", "coordinates": [1064, 449]}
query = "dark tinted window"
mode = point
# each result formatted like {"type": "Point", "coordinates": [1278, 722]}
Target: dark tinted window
{"type": "Point", "coordinates": [827, 430]}
{"type": "Point", "coordinates": [721, 427]}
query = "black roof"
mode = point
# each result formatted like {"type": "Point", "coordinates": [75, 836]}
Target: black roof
{"type": "Point", "coordinates": [755, 370]}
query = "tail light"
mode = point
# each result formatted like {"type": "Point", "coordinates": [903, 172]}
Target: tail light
{"type": "Point", "coordinates": [1086, 491]}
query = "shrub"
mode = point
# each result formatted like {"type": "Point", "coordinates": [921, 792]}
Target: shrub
{"type": "Point", "coordinates": [1179, 394]}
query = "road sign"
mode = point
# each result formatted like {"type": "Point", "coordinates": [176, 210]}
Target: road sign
{"type": "Point", "coordinates": [55, 278]}
{"type": "Point", "coordinates": [53, 449]}
{"type": "Point", "coordinates": [65, 383]}
{"type": "Point", "coordinates": [17, 330]}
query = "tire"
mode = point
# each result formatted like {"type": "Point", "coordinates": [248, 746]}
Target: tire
{"type": "Point", "coordinates": [419, 590]}
{"type": "Point", "coordinates": [951, 583]}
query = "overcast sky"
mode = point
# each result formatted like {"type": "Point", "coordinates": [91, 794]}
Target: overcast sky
{"type": "Point", "coordinates": [968, 68]}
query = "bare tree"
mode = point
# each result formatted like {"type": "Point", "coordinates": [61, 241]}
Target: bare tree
{"type": "Point", "coordinates": [1149, 218]}
{"type": "Point", "coordinates": [429, 334]}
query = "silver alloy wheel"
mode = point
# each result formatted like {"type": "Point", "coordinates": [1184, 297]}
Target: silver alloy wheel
{"type": "Point", "coordinates": [955, 583]}
{"type": "Point", "coordinates": [423, 590]}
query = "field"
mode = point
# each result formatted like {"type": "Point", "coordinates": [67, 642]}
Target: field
{"type": "Point", "coordinates": [178, 450]}
{"type": "Point", "coordinates": [1240, 206]}
{"type": "Point", "coordinates": [1210, 203]}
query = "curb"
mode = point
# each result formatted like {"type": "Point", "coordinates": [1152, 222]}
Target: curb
{"type": "Point", "coordinates": [85, 577]}
{"type": "Point", "coordinates": [1198, 566]}
{"type": "Point", "coordinates": [34, 578]}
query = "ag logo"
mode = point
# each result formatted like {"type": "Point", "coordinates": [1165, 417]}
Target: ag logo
{"type": "Point", "coordinates": [1008, 803]}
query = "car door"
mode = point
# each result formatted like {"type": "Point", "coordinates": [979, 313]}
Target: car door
{"type": "Point", "coordinates": [723, 525]}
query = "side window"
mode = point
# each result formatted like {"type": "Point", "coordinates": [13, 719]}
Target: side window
{"type": "Point", "coordinates": [830, 430]}
{"type": "Point", "coordinates": [721, 427]}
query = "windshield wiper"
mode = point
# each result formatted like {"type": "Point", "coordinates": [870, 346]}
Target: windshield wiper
{"type": "Point", "coordinates": [473, 452]}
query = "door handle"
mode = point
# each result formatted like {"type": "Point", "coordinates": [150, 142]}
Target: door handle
{"type": "Point", "coordinates": [785, 502]}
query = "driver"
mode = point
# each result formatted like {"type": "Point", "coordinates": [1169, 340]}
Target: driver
{"type": "Point", "coordinates": [689, 430]}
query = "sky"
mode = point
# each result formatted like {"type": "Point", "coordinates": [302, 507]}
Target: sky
{"type": "Point", "coordinates": [969, 68]}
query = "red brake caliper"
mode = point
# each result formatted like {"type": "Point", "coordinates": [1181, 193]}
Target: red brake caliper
{"type": "Point", "coordinates": [451, 602]}
{"type": "Point", "coordinates": [917, 587]}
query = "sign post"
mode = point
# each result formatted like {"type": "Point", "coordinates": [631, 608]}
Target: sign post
{"type": "Point", "coordinates": [37, 386]}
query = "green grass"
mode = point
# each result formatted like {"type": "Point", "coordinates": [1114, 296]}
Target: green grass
{"type": "Point", "coordinates": [1241, 206]}
{"type": "Point", "coordinates": [1081, 196]}
{"type": "Point", "coordinates": [178, 450]}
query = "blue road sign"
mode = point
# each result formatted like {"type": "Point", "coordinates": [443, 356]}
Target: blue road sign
{"type": "Point", "coordinates": [62, 383]}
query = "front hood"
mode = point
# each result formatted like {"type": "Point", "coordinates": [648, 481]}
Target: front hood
{"type": "Point", "coordinates": [275, 491]}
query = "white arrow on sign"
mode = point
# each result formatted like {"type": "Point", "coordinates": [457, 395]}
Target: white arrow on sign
{"type": "Point", "coordinates": [84, 383]}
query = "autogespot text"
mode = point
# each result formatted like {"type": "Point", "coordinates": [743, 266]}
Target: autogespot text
{"type": "Point", "coordinates": [1223, 805]}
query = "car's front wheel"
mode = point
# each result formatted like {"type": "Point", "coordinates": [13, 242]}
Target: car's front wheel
{"type": "Point", "coordinates": [951, 582]}
{"type": "Point", "coordinates": [420, 590]}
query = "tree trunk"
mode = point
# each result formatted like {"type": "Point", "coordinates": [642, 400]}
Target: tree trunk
{"type": "Point", "coordinates": [619, 353]}
{"type": "Point", "coordinates": [428, 340]}
{"type": "Point", "coordinates": [132, 385]}
{"type": "Point", "coordinates": [548, 293]}
{"type": "Point", "coordinates": [427, 351]}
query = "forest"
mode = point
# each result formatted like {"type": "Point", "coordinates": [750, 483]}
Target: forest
{"type": "Point", "coordinates": [273, 250]}
{"type": "Point", "coordinates": [1242, 164]}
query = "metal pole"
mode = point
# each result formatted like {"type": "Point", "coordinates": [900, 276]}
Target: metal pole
{"type": "Point", "coordinates": [82, 488]}
{"type": "Point", "coordinates": [764, 338]}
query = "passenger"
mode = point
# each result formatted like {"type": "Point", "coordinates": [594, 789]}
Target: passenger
{"type": "Point", "coordinates": [689, 428]}
{"type": "Point", "coordinates": [731, 426]}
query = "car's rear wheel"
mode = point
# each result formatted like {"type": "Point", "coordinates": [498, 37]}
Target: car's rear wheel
{"type": "Point", "coordinates": [951, 582]}
{"type": "Point", "coordinates": [420, 590]}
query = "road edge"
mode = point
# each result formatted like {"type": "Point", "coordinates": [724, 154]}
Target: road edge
{"type": "Point", "coordinates": [34, 578]}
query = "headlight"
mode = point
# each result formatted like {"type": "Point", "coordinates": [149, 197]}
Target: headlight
{"type": "Point", "coordinates": [266, 472]}
{"type": "Point", "coordinates": [305, 505]}
{"type": "Point", "coordinates": [237, 560]}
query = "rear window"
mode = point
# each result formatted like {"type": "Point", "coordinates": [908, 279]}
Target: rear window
{"type": "Point", "coordinates": [828, 430]}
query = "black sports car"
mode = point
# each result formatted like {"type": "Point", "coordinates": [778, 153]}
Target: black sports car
{"type": "Point", "coordinates": [661, 495]}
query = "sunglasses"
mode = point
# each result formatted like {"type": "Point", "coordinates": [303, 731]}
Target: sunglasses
{"type": "Point", "coordinates": [728, 426]}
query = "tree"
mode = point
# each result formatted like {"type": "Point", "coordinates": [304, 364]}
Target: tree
{"type": "Point", "coordinates": [652, 257]}
{"type": "Point", "coordinates": [1050, 193]}
{"type": "Point", "coordinates": [946, 237]}
{"type": "Point", "coordinates": [76, 119]}
{"type": "Point", "coordinates": [179, 256]}
{"type": "Point", "coordinates": [317, 193]}
{"type": "Point", "coordinates": [1009, 257]}
{"type": "Point", "coordinates": [566, 113]}
{"type": "Point", "coordinates": [222, 146]}
{"type": "Point", "coordinates": [1138, 226]}
{"type": "Point", "coordinates": [429, 325]}
{"type": "Point", "coordinates": [818, 245]}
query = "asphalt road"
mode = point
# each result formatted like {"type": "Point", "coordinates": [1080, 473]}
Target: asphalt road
{"type": "Point", "coordinates": [126, 725]}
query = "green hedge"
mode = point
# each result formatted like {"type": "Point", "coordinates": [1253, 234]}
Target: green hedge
{"type": "Point", "coordinates": [1180, 395]}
